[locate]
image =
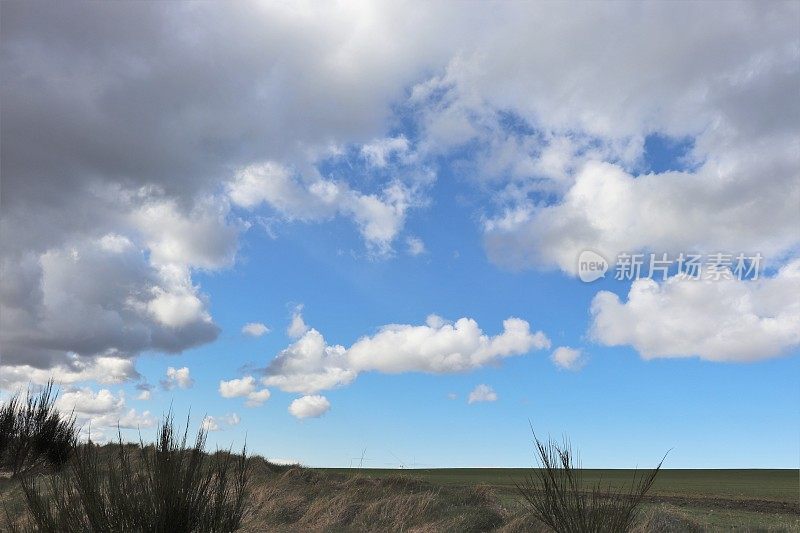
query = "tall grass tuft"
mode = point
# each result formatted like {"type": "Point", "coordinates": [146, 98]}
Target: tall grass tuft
{"type": "Point", "coordinates": [164, 487]}
{"type": "Point", "coordinates": [34, 435]}
{"type": "Point", "coordinates": [557, 495]}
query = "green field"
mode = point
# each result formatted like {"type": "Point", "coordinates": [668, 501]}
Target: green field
{"type": "Point", "coordinates": [766, 485]}
{"type": "Point", "coordinates": [746, 499]}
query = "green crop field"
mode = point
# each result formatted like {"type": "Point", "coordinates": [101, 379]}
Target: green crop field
{"type": "Point", "coordinates": [768, 485]}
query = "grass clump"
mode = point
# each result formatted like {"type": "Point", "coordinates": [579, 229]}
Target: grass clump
{"type": "Point", "coordinates": [301, 499]}
{"type": "Point", "coordinates": [164, 487]}
{"type": "Point", "coordinates": [558, 497]}
{"type": "Point", "coordinates": [34, 435]}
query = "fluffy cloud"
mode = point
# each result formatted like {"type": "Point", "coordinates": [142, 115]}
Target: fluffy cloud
{"type": "Point", "coordinates": [568, 358]}
{"type": "Point", "coordinates": [565, 154]}
{"type": "Point", "coordinates": [93, 299]}
{"type": "Point", "coordinates": [114, 159]}
{"type": "Point", "coordinates": [105, 370]}
{"type": "Point", "coordinates": [482, 393]}
{"type": "Point", "coordinates": [102, 409]}
{"type": "Point", "coordinates": [218, 423]}
{"type": "Point", "coordinates": [440, 347]}
{"type": "Point", "coordinates": [297, 327]}
{"type": "Point", "coordinates": [309, 407]}
{"type": "Point", "coordinates": [201, 237]}
{"type": "Point", "coordinates": [85, 401]}
{"type": "Point", "coordinates": [255, 329]}
{"type": "Point", "coordinates": [209, 424]}
{"type": "Point", "coordinates": [379, 217]}
{"type": "Point", "coordinates": [177, 378]}
{"type": "Point", "coordinates": [725, 320]}
{"type": "Point", "coordinates": [612, 211]}
{"type": "Point", "coordinates": [244, 388]}
{"type": "Point", "coordinates": [311, 365]}
{"type": "Point", "coordinates": [122, 139]}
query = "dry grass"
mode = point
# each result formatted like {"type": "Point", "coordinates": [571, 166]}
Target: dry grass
{"type": "Point", "coordinates": [34, 436]}
{"type": "Point", "coordinates": [293, 498]}
{"type": "Point", "coordinates": [663, 519]}
{"type": "Point", "coordinates": [558, 496]}
{"type": "Point", "coordinates": [301, 499]}
{"type": "Point", "coordinates": [167, 486]}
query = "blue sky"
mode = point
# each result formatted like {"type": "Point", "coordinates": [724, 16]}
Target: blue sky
{"type": "Point", "coordinates": [400, 220]}
{"type": "Point", "coordinates": [619, 410]}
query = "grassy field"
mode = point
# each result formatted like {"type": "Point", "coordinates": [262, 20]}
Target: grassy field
{"type": "Point", "coordinates": [725, 499]}
{"type": "Point", "coordinates": [766, 485]}
{"type": "Point", "coordinates": [302, 499]}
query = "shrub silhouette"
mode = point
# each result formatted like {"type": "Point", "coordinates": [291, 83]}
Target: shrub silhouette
{"type": "Point", "coordinates": [164, 487]}
{"type": "Point", "coordinates": [34, 435]}
{"type": "Point", "coordinates": [557, 495]}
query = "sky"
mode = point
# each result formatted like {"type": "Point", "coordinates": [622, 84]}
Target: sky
{"type": "Point", "coordinates": [403, 234]}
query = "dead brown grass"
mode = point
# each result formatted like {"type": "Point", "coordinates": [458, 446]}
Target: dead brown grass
{"type": "Point", "coordinates": [293, 498]}
{"type": "Point", "coordinates": [302, 499]}
{"type": "Point", "coordinates": [665, 519]}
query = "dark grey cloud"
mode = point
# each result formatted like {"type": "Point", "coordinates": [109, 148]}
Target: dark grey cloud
{"type": "Point", "coordinates": [90, 300]}
{"type": "Point", "coordinates": [124, 125]}
{"type": "Point", "coordinates": [177, 94]}
{"type": "Point", "coordinates": [121, 124]}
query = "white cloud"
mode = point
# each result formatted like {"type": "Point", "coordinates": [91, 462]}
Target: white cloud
{"type": "Point", "coordinates": [726, 320]}
{"type": "Point", "coordinates": [177, 377]}
{"type": "Point", "coordinates": [283, 461]}
{"type": "Point", "coordinates": [102, 409]}
{"type": "Point", "coordinates": [379, 216]}
{"type": "Point", "coordinates": [143, 395]}
{"type": "Point", "coordinates": [86, 402]}
{"type": "Point", "coordinates": [201, 238]}
{"type": "Point", "coordinates": [92, 220]}
{"type": "Point", "coordinates": [209, 424]}
{"type": "Point", "coordinates": [257, 397]}
{"type": "Point", "coordinates": [255, 329]}
{"type": "Point", "coordinates": [177, 309]}
{"type": "Point", "coordinates": [379, 151]}
{"type": "Point", "coordinates": [569, 172]}
{"type": "Point", "coordinates": [310, 365]}
{"type": "Point", "coordinates": [568, 358]}
{"type": "Point", "coordinates": [244, 388]}
{"type": "Point", "coordinates": [105, 370]}
{"type": "Point", "coordinates": [237, 387]}
{"type": "Point", "coordinates": [130, 419]}
{"type": "Point", "coordinates": [309, 407]}
{"type": "Point", "coordinates": [219, 423]}
{"type": "Point", "coordinates": [482, 393]}
{"type": "Point", "coordinates": [415, 246]}
{"type": "Point", "coordinates": [297, 327]}
{"type": "Point", "coordinates": [611, 211]}
{"type": "Point", "coordinates": [440, 347]}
